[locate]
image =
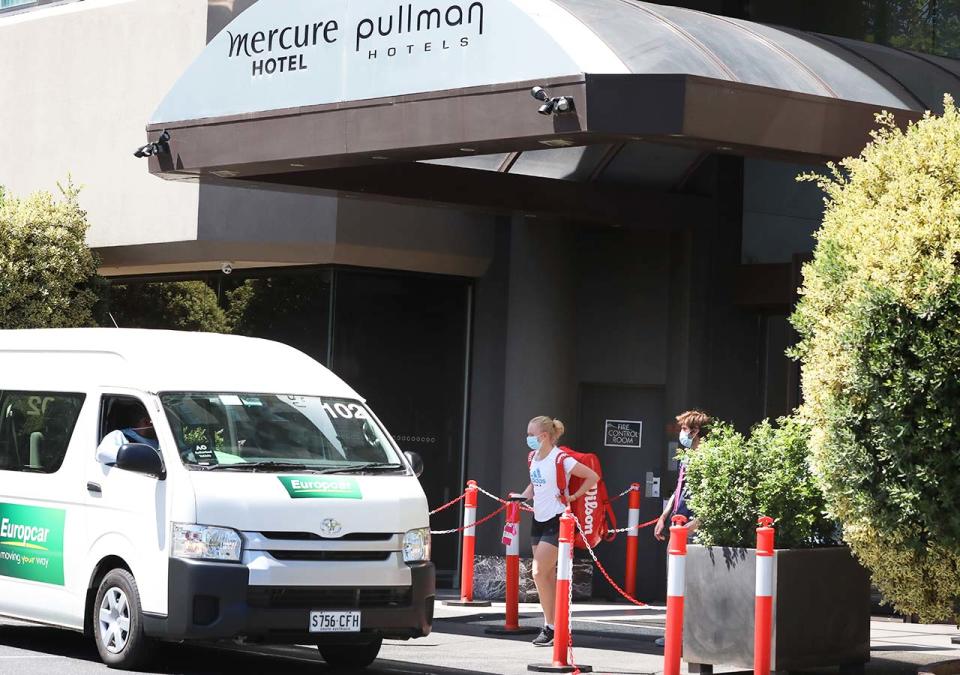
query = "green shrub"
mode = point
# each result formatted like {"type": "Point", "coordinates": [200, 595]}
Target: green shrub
{"type": "Point", "coordinates": [176, 305]}
{"type": "Point", "coordinates": [879, 321]}
{"type": "Point", "coordinates": [47, 272]}
{"type": "Point", "coordinates": [735, 479]}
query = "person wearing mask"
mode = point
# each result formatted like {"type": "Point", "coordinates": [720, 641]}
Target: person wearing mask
{"type": "Point", "coordinates": [140, 430]}
{"type": "Point", "coordinates": [548, 505]}
{"type": "Point", "coordinates": [693, 425]}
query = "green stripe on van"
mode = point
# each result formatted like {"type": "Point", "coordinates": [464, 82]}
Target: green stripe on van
{"type": "Point", "coordinates": [321, 487]}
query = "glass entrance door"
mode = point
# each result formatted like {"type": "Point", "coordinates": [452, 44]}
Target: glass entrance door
{"type": "Point", "coordinates": [401, 341]}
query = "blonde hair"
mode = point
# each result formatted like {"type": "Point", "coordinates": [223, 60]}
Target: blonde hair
{"type": "Point", "coordinates": [548, 425]}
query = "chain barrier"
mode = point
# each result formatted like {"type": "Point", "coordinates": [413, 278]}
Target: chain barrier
{"type": "Point", "coordinates": [526, 507]}
{"type": "Point", "coordinates": [570, 659]}
{"type": "Point", "coordinates": [604, 571]}
{"type": "Point", "coordinates": [479, 522]}
{"type": "Point", "coordinates": [635, 527]}
{"type": "Point", "coordinates": [622, 494]}
{"type": "Point", "coordinates": [523, 505]}
{"type": "Point", "coordinates": [449, 504]}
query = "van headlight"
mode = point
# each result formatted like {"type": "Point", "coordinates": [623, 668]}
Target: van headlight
{"type": "Point", "coordinates": [202, 542]}
{"type": "Point", "coordinates": [416, 545]}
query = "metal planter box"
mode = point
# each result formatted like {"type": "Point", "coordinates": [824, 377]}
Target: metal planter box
{"type": "Point", "coordinates": [821, 609]}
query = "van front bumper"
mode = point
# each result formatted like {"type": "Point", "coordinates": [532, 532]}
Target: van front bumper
{"type": "Point", "coordinates": [214, 601]}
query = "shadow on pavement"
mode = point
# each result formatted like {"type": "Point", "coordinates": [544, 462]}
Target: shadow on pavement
{"type": "Point", "coordinates": [630, 642]}
{"type": "Point", "coordinates": [47, 640]}
{"type": "Point", "coordinates": [174, 659]}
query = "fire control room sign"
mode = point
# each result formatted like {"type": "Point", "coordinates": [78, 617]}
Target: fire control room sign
{"type": "Point", "coordinates": [622, 433]}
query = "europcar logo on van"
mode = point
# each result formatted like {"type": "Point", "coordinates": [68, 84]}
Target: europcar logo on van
{"type": "Point", "coordinates": [321, 487]}
{"type": "Point", "coordinates": [31, 543]}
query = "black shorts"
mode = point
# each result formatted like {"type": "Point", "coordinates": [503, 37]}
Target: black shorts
{"type": "Point", "coordinates": [548, 531]}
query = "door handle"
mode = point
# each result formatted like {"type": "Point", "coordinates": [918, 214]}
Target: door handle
{"type": "Point", "coordinates": [94, 488]}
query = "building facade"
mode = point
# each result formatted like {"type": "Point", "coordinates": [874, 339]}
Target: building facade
{"type": "Point", "coordinates": [464, 262]}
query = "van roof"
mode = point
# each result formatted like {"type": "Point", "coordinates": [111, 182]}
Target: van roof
{"type": "Point", "coordinates": [78, 359]}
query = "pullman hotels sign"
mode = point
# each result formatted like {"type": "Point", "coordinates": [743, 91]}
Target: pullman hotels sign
{"type": "Point", "coordinates": [282, 54]}
{"type": "Point", "coordinates": [279, 50]}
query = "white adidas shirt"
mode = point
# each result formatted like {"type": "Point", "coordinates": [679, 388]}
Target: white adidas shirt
{"type": "Point", "coordinates": [546, 492]}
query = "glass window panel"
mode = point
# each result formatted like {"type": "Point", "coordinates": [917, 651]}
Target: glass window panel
{"type": "Point", "coordinates": [35, 429]}
{"type": "Point", "coordinates": [400, 341]}
{"type": "Point", "coordinates": [479, 162]}
{"type": "Point", "coordinates": [292, 308]}
{"type": "Point", "coordinates": [576, 164]}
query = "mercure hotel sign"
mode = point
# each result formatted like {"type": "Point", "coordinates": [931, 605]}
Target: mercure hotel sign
{"type": "Point", "coordinates": [283, 54]}
{"type": "Point", "coordinates": [402, 32]}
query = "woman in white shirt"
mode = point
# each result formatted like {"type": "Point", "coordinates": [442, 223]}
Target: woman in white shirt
{"type": "Point", "coordinates": [548, 505]}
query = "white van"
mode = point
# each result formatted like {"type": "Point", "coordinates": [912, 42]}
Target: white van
{"type": "Point", "coordinates": [165, 486]}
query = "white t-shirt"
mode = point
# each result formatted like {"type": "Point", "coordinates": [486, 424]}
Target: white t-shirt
{"type": "Point", "coordinates": [546, 492]}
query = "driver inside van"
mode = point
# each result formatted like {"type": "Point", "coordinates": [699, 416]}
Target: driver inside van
{"type": "Point", "coordinates": [142, 431]}
{"type": "Point", "coordinates": [138, 429]}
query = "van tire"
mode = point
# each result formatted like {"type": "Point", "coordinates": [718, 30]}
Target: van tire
{"type": "Point", "coordinates": [117, 603]}
{"type": "Point", "coordinates": [351, 656]}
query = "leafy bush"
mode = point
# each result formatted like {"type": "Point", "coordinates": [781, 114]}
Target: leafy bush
{"type": "Point", "coordinates": [879, 321]}
{"type": "Point", "coordinates": [176, 305]}
{"type": "Point", "coordinates": [47, 272]}
{"type": "Point", "coordinates": [734, 479]}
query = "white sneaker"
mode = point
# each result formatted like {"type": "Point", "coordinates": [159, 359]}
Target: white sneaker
{"type": "Point", "coordinates": [660, 642]}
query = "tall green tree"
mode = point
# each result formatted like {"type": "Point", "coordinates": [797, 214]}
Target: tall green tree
{"type": "Point", "coordinates": [879, 320]}
{"type": "Point", "coordinates": [172, 305]}
{"type": "Point", "coordinates": [47, 272]}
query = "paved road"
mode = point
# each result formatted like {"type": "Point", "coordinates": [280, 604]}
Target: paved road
{"type": "Point", "coordinates": [26, 649]}
{"type": "Point", "coordinates": [452, 649]}
{"type": "Point", "coordinates": [614, 639]}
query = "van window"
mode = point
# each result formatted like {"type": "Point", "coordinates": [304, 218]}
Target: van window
{"type": "Point", "coordinates": [128, 415]}
{"type": "Point", "coordinates": [35, 429]}
{"type": "Point", "coordinates": [227, 429]}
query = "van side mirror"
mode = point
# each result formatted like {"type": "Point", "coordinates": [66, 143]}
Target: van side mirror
{"type": "Point", "coordinates": [416, 462]}
{"type": "Point", "coordinates": [140, 458]}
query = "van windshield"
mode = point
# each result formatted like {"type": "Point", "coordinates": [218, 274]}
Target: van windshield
{"type": "Point", "coordinates": [230, 431]}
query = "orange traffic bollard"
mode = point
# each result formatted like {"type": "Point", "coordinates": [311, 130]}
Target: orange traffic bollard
{"type": "Point", "coordinates": [511, 540]}
{"type": "Point", "coordinates": [469, 546]}
{"type": "Point", "coordinates": [676, 570]}
{"type": "Point", "coordinates": [763, 610]}
{"type": "Point", "coordinates": [633, 539]}
{"type": "Point", "coordinates": [561, 616]}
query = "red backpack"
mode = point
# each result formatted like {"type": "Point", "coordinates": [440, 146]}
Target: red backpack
{"type": "Point", "coordinates": [593, 510]}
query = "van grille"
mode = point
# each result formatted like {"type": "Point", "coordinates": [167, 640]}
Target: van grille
{"type": "Point", "coordinates": [310, 536]}
{"type": "Point", "coordinates": [331, 556]}
{"type": "Point", "coordinates": [299, 597]}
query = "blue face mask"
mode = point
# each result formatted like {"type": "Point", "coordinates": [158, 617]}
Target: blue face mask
{"type": "Point", "coordinates": [533, 442]}
{"type": "Point", "coordinates": [686, 440]}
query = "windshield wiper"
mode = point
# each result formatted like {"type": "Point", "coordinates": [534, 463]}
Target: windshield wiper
{"type": "Point", "coordinates": [257, 466]}
{"type": "Point", "coordinates": [356, 468]}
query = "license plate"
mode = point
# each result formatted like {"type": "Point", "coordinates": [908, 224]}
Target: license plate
{"type": "Point", "coordinates": [334, 622]}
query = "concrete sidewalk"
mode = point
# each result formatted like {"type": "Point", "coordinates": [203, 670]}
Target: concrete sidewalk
{"type": "Point", "coordinates": [617, 638]}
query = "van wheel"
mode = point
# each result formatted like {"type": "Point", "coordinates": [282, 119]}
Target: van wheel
{"type": "Point", "coordinates": [118, 622]}
{"type": "Point", "coordinates": [351, 656]}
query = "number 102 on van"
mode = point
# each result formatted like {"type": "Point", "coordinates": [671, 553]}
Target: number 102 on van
{"type": "Point", "coordinates": [334, 622]}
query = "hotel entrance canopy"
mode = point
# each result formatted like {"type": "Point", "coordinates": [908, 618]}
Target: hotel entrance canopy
{"type": "Point", "coordinates": [392, 97]}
